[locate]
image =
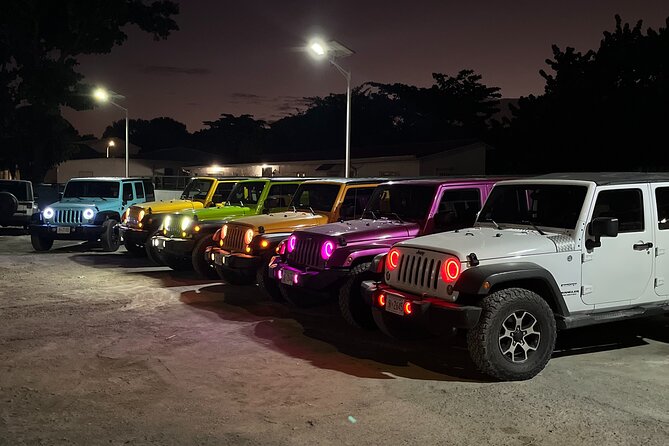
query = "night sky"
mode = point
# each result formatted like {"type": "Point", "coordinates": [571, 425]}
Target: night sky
{"type": "Point", "coordinates": [243, 56]}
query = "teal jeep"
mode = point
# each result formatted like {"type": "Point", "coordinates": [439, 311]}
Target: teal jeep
{"type": "Point", "coordinates": [89, 209]}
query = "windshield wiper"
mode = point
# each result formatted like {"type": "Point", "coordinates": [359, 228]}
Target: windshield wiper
{"type": "Point", "coordinates": [392, 214]}
{"type": "Point", "coordinates": [527, 222]}
{"type": "Point", "coordinates": [493, 222]}
{"type": "Point", "coordinates": [102, 198]}
{"type": "Point", "coordinates": [374, 217]}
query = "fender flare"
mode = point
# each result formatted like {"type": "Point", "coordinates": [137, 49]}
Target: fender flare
{"type": "Point", "coordinates": [481, 279]}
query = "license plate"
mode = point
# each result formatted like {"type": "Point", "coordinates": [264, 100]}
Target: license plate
{"type": "Point", "coordinates": [63, 230]}
{"type": "Point", "coordinates": [395, 304]}
{"type": "Point", "coordinates": [288, 277]}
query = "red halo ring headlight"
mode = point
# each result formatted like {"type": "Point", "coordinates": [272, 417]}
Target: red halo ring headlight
{"type": "Point", "coordinates": [450, 270]}
{"type": "Point", "coordinates": [392, 259]}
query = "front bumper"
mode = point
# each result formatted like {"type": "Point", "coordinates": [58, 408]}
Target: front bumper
{"type": "Point", "coordinates": [232, 260]}
{"type": "Point", "coordinates": [62, 232]}
{"type": "Point", "coordinates": [134, 235]}
{"type": "Point", "coordinates": [178, 247]}
{"type": "Point", "coordinates": [310, 279]}
{"type": "Point", "coordinates": [431, 312]}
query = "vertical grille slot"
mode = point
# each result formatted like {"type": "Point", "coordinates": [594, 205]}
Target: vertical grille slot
{"type": "Point", "coordinates": [68, 216]}
{"type": "Point", "coordinates": [306, 253]}
{"type": "Point", "coordinates": [436, 274]}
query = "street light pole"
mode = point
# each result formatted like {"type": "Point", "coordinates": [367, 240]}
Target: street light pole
{"type": "Point", "coordinates": [102, 95]}
{"type": "Point", "coordinates": [336, 50]}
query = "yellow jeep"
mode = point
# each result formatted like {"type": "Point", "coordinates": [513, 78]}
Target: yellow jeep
{"type": "Point", "coordinates": [141, 221]}
{"type": "Point", "coordinates": [243, 247]}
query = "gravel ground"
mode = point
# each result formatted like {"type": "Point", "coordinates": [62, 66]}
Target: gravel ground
{"type": "Point", "coordinates": [101, 348]}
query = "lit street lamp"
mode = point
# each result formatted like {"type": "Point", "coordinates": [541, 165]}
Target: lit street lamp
{"type": "Point", "coordinates": [103, 96]}
{"type": "Point", "coordinates": [334, 50]}
{"type": "Point", "coordinates": [110, 144]}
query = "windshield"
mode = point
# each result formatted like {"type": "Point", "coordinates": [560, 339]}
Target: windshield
{"type": "Point", "coordinates": [408, 202]}
{"type": "Point", "coordinates": [319, 197]}
{"type": "Point", "coordinates": [245, 194]}
{"type": "Point", "coordinates": [20, 189]}
{"type": "Point", "coordinates": [92, 189]}
{"type": "Point", "coordinates": [548, 205]}
{"type": "Point", "coordinates": [197, 189]}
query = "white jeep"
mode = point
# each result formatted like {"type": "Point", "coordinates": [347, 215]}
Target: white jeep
{"type": "Point", "coordinates": [552, 252]}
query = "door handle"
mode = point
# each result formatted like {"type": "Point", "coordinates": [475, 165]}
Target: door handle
{"type": "Point", "coordinates": [642, 246]}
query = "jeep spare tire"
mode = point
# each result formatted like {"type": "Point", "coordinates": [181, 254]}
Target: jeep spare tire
{"type": "Point", "coordinates": [8, 204]}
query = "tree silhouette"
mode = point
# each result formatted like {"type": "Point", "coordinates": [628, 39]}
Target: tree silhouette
{"type": "Point", "coordinates": [155, 134]}
{"type": "Point", "coordinates": [39, 45]}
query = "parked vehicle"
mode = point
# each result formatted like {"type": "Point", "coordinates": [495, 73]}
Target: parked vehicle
{"type": "Point", "coordinates": [17, 203]}
{"type": "Point", "coordinates": [89, 209]}
{"type": "Point", "coordinates": [246, 244]}
{"type": "Point", "coordinates": [550, 253]}
{"type": "Point", "coordinates": [336, 257]}
{"type": "Point", "coordinates": [141, 221]}
{"type": "Point", "coordinates": [184, 236]}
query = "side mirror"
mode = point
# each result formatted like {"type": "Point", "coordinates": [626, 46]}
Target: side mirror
{"type": "Point", "coordinates": [601, 227]}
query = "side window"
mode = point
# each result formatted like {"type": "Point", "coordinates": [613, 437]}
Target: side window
{"type": "Point", "coordinates": [354, 203]}
{"type": "Point", "coordinates": [139, 190]}
{"type": "Point", "coordinates": [222, 191]}
{"type": "Point", "coordinates": [457, 209]}
{"type": "Point", "coordinates": [624, 204]}
{"type": "Point", "coordinates": [280, 195]}
{"type": "Point", "coordinates": [662, 200]}
{"type": "Point", "coordinates": [148, 190]}
{"type": "Point", "coordinates": [127, 192]}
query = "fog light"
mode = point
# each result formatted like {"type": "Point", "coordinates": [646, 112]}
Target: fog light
{"type": "Point", "coordinates": [140, 224]}
{"type": "Point", "coordinates": [382, 300]}
{"type": "Point", "coordinates": [295, 279]}
{"type": "Point", "coordinates": [264, 244]}
{"type": "Point", "coordinates": [408, 308]}
{"type": "Point", "coordinates": [279, 274]}
{"type": "Point", "coordinates": [213, 256]}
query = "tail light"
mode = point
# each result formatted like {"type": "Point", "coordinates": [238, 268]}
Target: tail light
{"type": "Point", "coordinates": [327, 249]}
{"type": "Point", "coordinates": [450, 270]}
{"type": "Point", "coordinates": [292, 242]}
{"type": "Point", "coordinates": [392, 259]}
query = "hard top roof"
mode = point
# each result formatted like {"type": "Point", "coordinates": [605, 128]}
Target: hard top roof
{"type": "Point", "coordinates": [449, 179]}
{"type": "Point", "coordinates": [340, 180]}
{"type": "Point", "coordinates": [605, 178]}
{"type": "Point", "coordinates": [278, 179]}
{"type": "Point", "coordinates": [110, 179]}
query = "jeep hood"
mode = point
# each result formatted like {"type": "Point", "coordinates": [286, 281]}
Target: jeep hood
{"type": "Point", "coordinates": [486, 243]}
{"type": "Point", "coordinates": [287, 221]}
{"type": "Point", "coordinates": [87, 203]}
{"type": "Point", "coordinates": [364, 230]}
{"type": "Point", "coordinates": [221, 212]}
{"type": "Point", "coordinates": [158, 207]}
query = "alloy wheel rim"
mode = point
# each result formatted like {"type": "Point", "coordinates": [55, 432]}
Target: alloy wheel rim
{"type": "Point", "coordinates": [519, 336]}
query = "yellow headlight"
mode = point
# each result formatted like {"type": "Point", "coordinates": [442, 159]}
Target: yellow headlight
{"type": "Point", "coordinates": [248, 236]}
{"type": "Point", "coordinates": [185, 223]}
{"type": "Point", "coordinates": [141, 215]}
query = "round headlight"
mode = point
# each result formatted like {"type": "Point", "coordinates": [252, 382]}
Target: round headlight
{"type": "Point", "coordinates": [166, 222]}
{"type": "Point", "coordinates": [248, 236]}
{"type": "Point", "coordinates": [48, 213]}
{"type": "Point", "coordinates": [88, 214]}
{"type": "Point", "coordinates": [141, 215]}
{"type": "Point", "coordinates": [185, 223]}
{"type": "Point", "coordinates": [126, 214]}
{"type": "Point", "coordinates": [327, 249]}
{"type": "Point", "coordinates": [224, 231]}
{"type": "Point", "coordinates": [292, 241]}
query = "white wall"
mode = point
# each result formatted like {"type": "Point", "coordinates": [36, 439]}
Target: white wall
{"type": "Point", "coordinates": [97, 167]}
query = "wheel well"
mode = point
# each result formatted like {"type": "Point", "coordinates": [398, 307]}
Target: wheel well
{"type": "Point", "coordinates": [538, 286]}
{"type": "Point", "coordinates": [360, 260]}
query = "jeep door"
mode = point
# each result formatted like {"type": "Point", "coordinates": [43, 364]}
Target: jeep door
{"type": "Point", "coordinates": [661, 198]}
{"type": "Point", "coordinates": [620, 270]}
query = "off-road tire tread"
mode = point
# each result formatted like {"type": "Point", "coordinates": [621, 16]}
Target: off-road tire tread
{"type": "Point", "coordinates": [108, 244]}
{"type": "Point", "coordinates": [268, 285]}
{"type": "Point", "coordinates": [201, 266]}
{"type": "Point", "coordinates": [476, 337]}
{"type": "Point", "coordinates": [345, 298]}
{"type": "Point", "coordinates": [40, 243]}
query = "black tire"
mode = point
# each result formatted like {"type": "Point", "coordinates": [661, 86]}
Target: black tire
{"type": "Point", "coordinates": [354, 310]}
{"type": "Point", "coordinates": [201, 266]}
{"type": "Point", "coordinates": [153, 254]}
{"type": "Point", "coordinates": [499, 352]}
{"type": "Point", "coordinates": [177, 263]}
{"type": "Point", "coordinates": [134, 249]}
{"type": "Point", "coordinates": [268, 285]}
{"type": "Point", "coordinates": [8, 204]}
{"type": "Point", "coordinates": [398, 327]}
{"type": "Point", "coordinates": [110, 237]}
{"type": "Point", "coordinates": [41, 243]}
{"type": "Point", "coordinates": [233, 277]}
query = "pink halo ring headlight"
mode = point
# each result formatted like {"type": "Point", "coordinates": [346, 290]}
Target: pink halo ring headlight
{"type": "Point", "coordinates": [327, 249]}
{"type": "Point", "coordinates": [292, 242]}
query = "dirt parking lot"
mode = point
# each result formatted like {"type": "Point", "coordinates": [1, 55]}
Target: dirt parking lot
{"type": "Point", "coordinates": [100, 348]}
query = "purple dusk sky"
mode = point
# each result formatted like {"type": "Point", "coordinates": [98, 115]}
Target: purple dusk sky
{"type": "Point", "coordinates": [243, 56]}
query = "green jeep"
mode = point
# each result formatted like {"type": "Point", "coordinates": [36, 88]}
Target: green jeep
{"type": "Point", "coordinates": [184, 236]}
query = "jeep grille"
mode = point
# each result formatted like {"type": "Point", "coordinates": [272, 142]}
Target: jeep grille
{"type": "Point", "coordinates": [68, 216]}
{"type": "Point", "coordinates": [234, 240]}
{"type": "Point", "coordinates": [418, 272]}
{"type": "Point", "coordinates": [307, 253]}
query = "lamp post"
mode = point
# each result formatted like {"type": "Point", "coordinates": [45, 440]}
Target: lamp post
{"type": "Point", "coordinates": [103, 96]}
{"type": "Point", "coordinates": [110, 144]}
{"type": "Point", "coordinates": [334, 50]}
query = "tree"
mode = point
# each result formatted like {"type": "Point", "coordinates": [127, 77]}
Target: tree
{"type": "Point", "coordinates": [595, 106]}
{"type": "Point", "coordinates": [237, 138]}
{"type": "Point", "coordinates": [158, 133]}
{"type": "Point", "coordinates": [39, 45]}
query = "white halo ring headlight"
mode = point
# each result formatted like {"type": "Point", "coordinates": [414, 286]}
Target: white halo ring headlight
{"type": "Point", "coordinates": [185, 223]}
{"type": "Point", "coordinates": [89, 214]}
{"type": "Point", "coordinates": [48, 213]}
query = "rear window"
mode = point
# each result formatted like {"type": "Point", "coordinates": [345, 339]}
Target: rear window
{"type": "Point", "coordinates": [20, 189]}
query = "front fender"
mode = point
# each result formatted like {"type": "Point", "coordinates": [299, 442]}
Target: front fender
{"type": "Point", "coordinates": [480, 280]}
